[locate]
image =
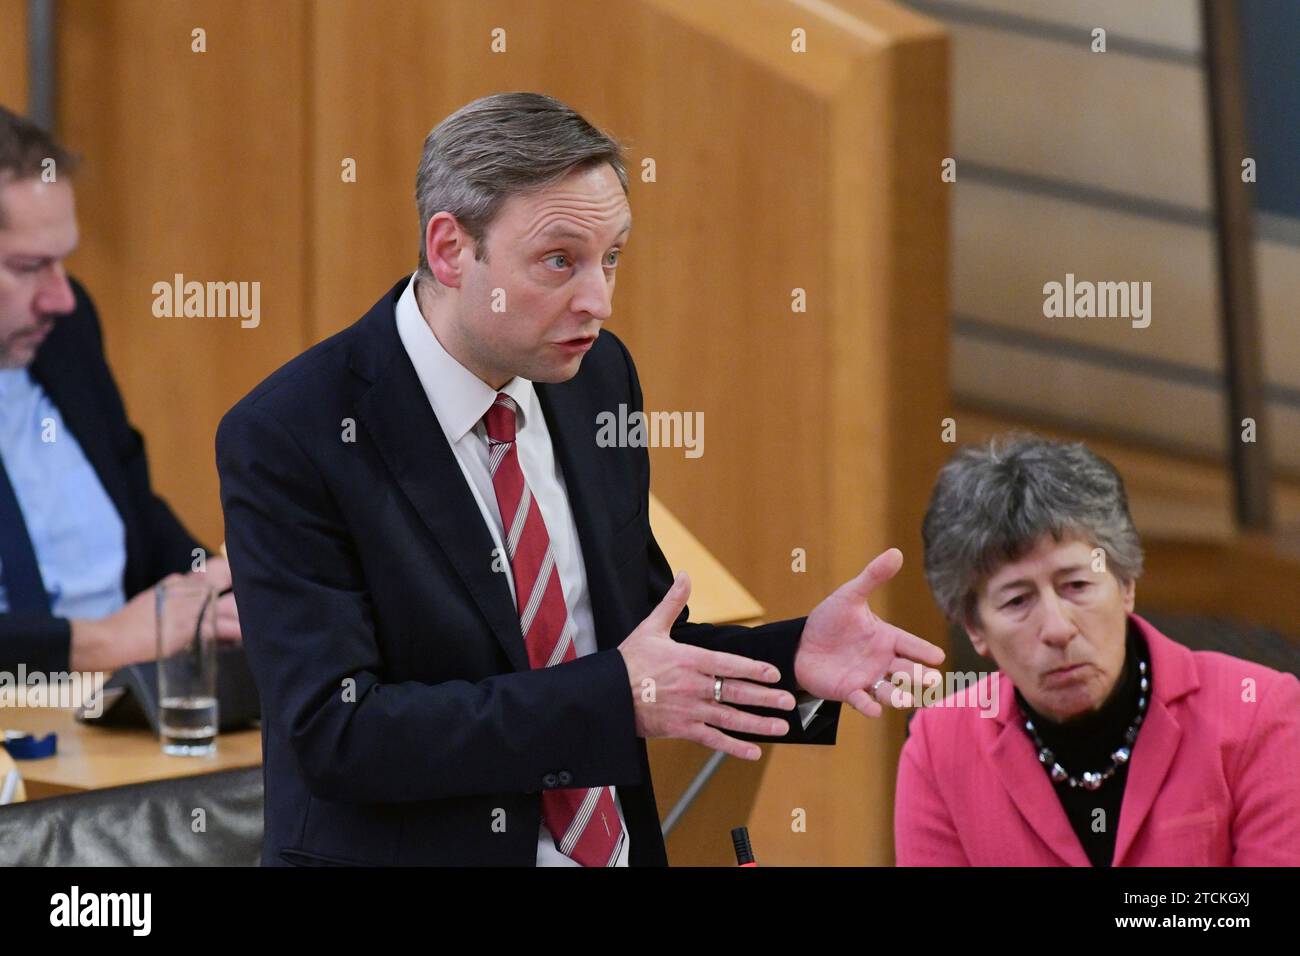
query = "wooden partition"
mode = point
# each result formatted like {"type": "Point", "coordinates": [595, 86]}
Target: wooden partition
{"type": "Point", "coordinates": [192, 166]}
{"type": "Point", "coordinates": [780, 177]}
{"type": "Point", "coordinates": [13, 55]}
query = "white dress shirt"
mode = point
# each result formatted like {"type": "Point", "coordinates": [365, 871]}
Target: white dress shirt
{"type": "Point", "coordinates": [460, 399]}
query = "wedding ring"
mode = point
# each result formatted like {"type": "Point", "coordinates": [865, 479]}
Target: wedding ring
{"type": "Point", "coordinates": [717, 689]}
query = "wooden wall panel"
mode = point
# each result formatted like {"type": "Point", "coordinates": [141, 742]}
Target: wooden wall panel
{"type": "Point", "coordinates": [886, 227]}
{"type": "Point", "coordinates": [13, 55]}
{"type": "Point", "coordinates": [193, 164]}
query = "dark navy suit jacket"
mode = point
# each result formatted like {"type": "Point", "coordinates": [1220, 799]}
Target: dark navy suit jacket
{"type": "Point", "coordinates": [70, 366]}
{"type": "Point", "coordinates": [401, 719]}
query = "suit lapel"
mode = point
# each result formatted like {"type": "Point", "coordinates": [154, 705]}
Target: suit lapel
{"type": "Point", "coordinates": [396, 414]}
{"type": "Point", "coordinates": [1014, 760]}
{"type": "Point", "coordinates": [571, 421]}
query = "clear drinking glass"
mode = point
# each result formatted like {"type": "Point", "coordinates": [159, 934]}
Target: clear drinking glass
{"type": "Point", "coordinates": [187, 668]}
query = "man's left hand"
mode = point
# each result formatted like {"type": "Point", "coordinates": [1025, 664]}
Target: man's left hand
{"type": "Point", "coordinates": [846, 650]}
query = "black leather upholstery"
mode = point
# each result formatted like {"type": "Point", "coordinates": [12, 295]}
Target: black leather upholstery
{"type": "Point", "coordinates": [144, 824]}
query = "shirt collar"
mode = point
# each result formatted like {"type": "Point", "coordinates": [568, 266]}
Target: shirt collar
{"type": "Point", "coordinates": [13, 378]}
{"type": "Point", "coordinates": [459, 398]}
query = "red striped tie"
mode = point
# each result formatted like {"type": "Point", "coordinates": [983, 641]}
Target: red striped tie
{"type": "Point", "coordinates": [583, 822]}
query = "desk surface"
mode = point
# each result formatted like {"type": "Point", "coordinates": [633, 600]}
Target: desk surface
{"type": "Point", "coordinates": [93, 757]}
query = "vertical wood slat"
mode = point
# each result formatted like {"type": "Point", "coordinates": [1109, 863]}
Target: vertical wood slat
{"type": "Point", "coordinates": [1243, 364]}
{"type": "Point", "coordinates": [13, 55]}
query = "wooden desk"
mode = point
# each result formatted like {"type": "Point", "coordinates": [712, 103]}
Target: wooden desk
{"type": "Point", "coordinates": [90, 758]}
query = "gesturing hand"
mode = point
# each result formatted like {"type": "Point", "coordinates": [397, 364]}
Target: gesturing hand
{"type": "Point", "coordinates": [846, 650]}
{"type": "Point", "coordinates": [672, 685]}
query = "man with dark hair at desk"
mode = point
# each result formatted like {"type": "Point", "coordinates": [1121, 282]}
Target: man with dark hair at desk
{"type": "Point", "coordinates": [83, 538]}
{"type": "Point", "coordinates": [460, 623]}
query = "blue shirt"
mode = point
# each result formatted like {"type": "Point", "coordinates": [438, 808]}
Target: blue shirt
{"type": "Point", "coordinates": [78, 537]}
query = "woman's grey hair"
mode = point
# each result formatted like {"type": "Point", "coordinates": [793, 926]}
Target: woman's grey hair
{"type": "Point", "coordinates": [993, 503]}
{"type": "Point", "coordinates": [500, 146]}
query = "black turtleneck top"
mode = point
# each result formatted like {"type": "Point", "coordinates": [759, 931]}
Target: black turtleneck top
{"type": "Point", "coordinates": [1086, 743]}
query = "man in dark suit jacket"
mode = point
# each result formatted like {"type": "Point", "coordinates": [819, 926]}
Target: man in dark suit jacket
{"type": "Point", "coordinates": [408, 716]}
{"type": "Point", "coordinates": [77, 512]}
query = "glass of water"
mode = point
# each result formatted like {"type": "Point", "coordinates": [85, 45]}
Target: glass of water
{"type": "Point", "coordinates": [187, 668]}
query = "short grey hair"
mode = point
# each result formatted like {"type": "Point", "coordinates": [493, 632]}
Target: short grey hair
{"type": "Point", "coordinates": [993, 503]}
{"type": "Point", "coordinates": [499, 146]}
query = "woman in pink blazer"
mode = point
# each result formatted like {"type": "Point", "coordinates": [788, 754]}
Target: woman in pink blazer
{"type": "Point", "coordinates": [1099, 741]}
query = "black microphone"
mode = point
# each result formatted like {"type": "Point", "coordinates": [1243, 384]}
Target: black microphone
{"type": "Point", "coordinates": [744, 852]}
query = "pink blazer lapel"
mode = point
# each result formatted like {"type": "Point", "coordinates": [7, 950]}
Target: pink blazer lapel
{"type": "Point", "coordinates": [1016, 764]}
{"type": "Point", "coordinates": [1173, 675]}
{"type": "Point", "coordinates": [1153, 755]}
